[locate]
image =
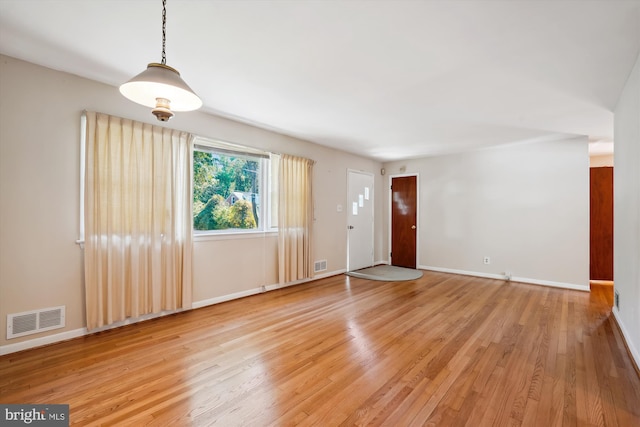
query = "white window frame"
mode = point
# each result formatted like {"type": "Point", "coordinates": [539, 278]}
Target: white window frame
{"type": "Point", "coordinates": [265, 185]}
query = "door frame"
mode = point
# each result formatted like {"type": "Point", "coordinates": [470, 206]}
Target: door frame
{"type": "Point", "coordinates": [373, 214]}
{"type": "Point", "coordinates": [389, 208]}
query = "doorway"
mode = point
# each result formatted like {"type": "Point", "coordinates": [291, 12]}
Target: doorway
{"type": "Point", "coordinates": [404, 225]}
{"type": "Point", "coordinates": [359, 220]}
{"type": "Point", "coordinates": [601, 224]}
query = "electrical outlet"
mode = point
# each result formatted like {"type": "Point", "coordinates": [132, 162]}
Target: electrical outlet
{"type": "Point", "coordinates": [487, 260]}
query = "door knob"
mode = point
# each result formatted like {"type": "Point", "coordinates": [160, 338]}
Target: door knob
{"type": "Point", "coordinates": [413, 227]}
{"type": "Point", "coordinates": [350, 227]}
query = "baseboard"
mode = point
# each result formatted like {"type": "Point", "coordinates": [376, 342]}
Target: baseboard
{"type": "Point", "coordinates": [329, 274]}
{"type": "Point", "coordinates": [266, 288]}
{"type": "Point", "coordinates": [64, 336]}
{"type": "Point", "coordinates": [225, 298]}
{"type": "Point", "coordinates": [513, 279]}
{"type": "Point", "coordinates": [42, 341]}
{"type": "Point", "coordinates": [635, 355]}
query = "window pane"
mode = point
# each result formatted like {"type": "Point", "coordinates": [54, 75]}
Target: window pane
{"type": "Point", "coordinates": [226, 191]}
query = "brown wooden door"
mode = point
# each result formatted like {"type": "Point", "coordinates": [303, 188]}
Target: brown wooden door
{"type": "Point", "coordinates": [404, 226]}
{"type": "Point", "coordinates": [601, 218]}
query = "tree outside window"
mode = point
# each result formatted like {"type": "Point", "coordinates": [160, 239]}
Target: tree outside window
{"type": "Point", "coordinates": [226, 190]}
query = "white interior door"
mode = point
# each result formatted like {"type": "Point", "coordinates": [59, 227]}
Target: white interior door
{"type": "Point", "coordinates": [360, 220]}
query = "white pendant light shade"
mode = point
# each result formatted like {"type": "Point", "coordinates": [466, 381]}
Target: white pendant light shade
{"type": "Point", "coordinates": [164, 82]}
{"type": "Point", "coordinates": [160, 86]}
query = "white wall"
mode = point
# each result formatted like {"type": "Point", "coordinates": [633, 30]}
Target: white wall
{"type": "Point", "coordinates": [40, 264]}
{"type": "Point", "coordinates": [525, 206]}
{"type": "Point", "coordinates": [626, 222]}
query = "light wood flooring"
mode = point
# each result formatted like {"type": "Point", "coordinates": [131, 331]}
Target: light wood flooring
{"type": "Point", "coordinates": [443, 350]}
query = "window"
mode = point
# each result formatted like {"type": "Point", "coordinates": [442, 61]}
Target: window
{"type": "Point", "coordinates": [231, 188]}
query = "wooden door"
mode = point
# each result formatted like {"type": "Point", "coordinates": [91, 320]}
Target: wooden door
{"type": "Point", "coordinates": [404, 226]}
{"type": "Point", "coordinates": [601, 218]}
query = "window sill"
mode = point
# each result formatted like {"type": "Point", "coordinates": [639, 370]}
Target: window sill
{"type": "Point", "coordinates": [203, 237]}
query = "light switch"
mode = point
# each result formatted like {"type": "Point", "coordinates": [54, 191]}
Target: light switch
{"type": "Point", "coordinates": [339, 208]}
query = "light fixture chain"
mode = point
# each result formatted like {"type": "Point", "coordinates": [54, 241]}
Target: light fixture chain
{"type": "Point", "coordinates": [164, 31]}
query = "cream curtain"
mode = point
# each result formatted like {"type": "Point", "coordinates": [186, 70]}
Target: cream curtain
{"type": "Point", "coordinates": [138, 232]}
{"type": "Point", "coordinates": [295, 218]}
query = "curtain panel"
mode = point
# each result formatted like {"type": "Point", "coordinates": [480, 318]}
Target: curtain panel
{"type": "Point", "coordinates": [295, 218]}
{"type": "Point", "coordinates": [138, 222]}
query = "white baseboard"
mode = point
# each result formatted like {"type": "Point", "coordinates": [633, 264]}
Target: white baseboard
{"type": "Point", "coordinates": [225, 298]}
{"type": "Point", "coordinates": [266, 288]}
{"type": "Point", "coordinates": [64, 336]}
{"type": "Point", "coordinates": [627, 337]}
{"type": "Point", "coordinates": [39, 342]}
{"type": "Point", "coordinates": [329, 274]}
{"type": "Point", "coordinates": [513, 279]}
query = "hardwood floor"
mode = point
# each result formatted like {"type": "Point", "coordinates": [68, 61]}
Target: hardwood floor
{"type": "Point", "coordinates": [444, 350]}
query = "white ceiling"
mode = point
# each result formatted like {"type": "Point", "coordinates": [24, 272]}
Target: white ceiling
{"type": "Point", "coordinates": [384, 79]}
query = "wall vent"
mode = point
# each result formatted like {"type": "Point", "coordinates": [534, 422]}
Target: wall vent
{"type": "Point", "coordinates": [616, 299]}
{"type": "Point", "coordinates": [320, 265]}
{"type": "Point", "coordinates": [32, 322]}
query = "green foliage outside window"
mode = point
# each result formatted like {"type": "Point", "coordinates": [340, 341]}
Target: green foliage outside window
{"type": "Point", "coordinates": [225, 191]}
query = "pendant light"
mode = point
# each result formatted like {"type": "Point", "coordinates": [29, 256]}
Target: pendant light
{"type": "Point", "coordinates": [160, 87]}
